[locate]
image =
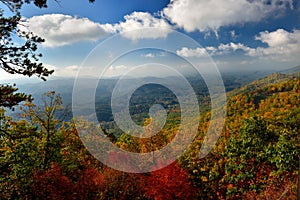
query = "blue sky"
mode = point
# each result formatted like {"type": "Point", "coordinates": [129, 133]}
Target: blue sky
{"type": "Point", "coordinates": [237, 35]}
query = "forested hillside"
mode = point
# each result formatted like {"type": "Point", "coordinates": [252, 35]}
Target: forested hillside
{"type": "Point", "coordinates": [125, 100]}
{"type": "Point", "coordinates": [257, 156]}
{"type": "Point", "coordinates": [64, 86]}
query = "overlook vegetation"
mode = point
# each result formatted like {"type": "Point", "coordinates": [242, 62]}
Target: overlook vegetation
{"type": "Point", "coordinates": [43, 157]}
{"type": "Point", "coordinates": [257, 156]}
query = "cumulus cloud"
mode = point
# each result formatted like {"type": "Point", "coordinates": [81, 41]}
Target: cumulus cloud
{"type": "Point", "coordinates": [222, 49]}
{"type": "Point", "coordinates": [281, 46]}
{"type": "Point", "coordinates": [60, 30]}
{"type": "Point", "coordinates": [232, 47]}
{"type": "Point", "coordinates": [198, 52]}
{"type": "Point", "coordinates": [280, 37]}
{"type": "Point", "coordinates": [209, 15]}
{"type": "Point", "coordinates": [142, 21]}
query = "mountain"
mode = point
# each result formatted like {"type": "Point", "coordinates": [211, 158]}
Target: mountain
{"type": "Point", "coordinates": [144, 97]}
{"type": "Point", "coordinates": [64, 85]}
{"type": "Point", "coordinates": [274, 78]}
{"type": "Point", "coordinates": [255, 157]}
{"type": "Point", "coordinates": [294, 70]}
{"type": "Point", "coordinates": [257, 153]}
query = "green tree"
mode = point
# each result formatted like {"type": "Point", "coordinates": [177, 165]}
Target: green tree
{"type": "Point", "coordinates": [19, 57]}
{"type": "Point", "coordinates": [247, 160]}
{"type": "Point", "coordinates": [18, 156]}
{"type": "Point", "coordinates": [28, 145]}
{"type": "Point", "coordinates": [9, 98]}
{"type": "Point", "coordinates": [48, 126]}
{"type": "Point", "coordinates": [259, 154]}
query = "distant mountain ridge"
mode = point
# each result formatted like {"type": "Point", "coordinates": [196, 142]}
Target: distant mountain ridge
{"type": "Point", "coordinates": [294, 71]}
{"type": "Point", "coordinates": [234, 83]}
{"type": "Point", "coordinates": [275, 78]}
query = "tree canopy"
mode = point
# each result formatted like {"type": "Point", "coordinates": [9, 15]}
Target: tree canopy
{"type": "Point", "coordinates": [22, 58]}
{"type": "Point", "coordinates": [19, 57]}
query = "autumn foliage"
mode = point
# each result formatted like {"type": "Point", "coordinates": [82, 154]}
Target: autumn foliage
{"type": "Point", "coordinates": [53, 184]}
{"type": "Point", "coordinates": [171, 182]}
{"type": "Point", "coordinates": [256, 157]}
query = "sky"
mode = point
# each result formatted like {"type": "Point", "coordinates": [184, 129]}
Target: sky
{"type": "Point", "coordinates": [118, 35]}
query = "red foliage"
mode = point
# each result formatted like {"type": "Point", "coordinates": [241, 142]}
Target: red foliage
{"type": "Point", "coordinates": [90, 184]}
{"type": "Point", "coordinates": [171, 182]}
{"type": "Point", "coordinates": [52, 185]}
{"type": "Point", "coordinates": [121, 185]}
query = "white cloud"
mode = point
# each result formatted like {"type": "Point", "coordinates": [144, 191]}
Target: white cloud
{"type": "Point", "coordinates": [67, 71]}
{"type": "Point", "coordinates": [279, 37]}
{"type": "Point", "coordinates": [153, 55]}
{"type": "Point", "coordinates": [60, 30]}
{"type": "Point", "coordinates": [198, 52]}
{"type": "Point", "coordinates": [118, 67]}
{"type": "Point", "coordinates": [233, 34]}
{"type": "Point", "coordinates": [117, 70]}
{"type": "Point", "coordinates": [72, 71]}
{"type": "Point", "coordinates": [5, 77]}
{"type": "Point", "coordinates": [72, 68]}
{"type": "Point", "coordinates": [213, 51]}
{"type": "Point", "coordinates": [50, 67]}
{"type": "Point", "coordinates": [206, 15]}
{"type": "Point", "coordinates": [148, 55]}
{"type": "Point", "coordinates": [232, 47]}
{"type": "Point", "coordinates": [136, 26]}
{"type": "Point", "coordinates": [282, 46]}
{"type": "Point", "coordinates": [86, 71]}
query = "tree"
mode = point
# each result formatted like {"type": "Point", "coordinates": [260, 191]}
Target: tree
{"type": "Point", "coordinates": [247, 161]}
{"type": "Point", "coordinates": [260, 154]}
{"type": "Point", "coordinates": [52, 184]}
{"type": "Point", "coordinates": [49, 126]}
{"type": "Point", "coordinates": [19, 155]}
{"type": "Point", "coordinates": [171, 182]}
{"type": "Point", "coordinates": [28, 145]}
{"type": "Point", "coordinates": [16, 58]}
{"type": "Point", "coordinates": [9, 98]}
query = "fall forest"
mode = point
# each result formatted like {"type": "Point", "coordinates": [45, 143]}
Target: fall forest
{"type": "Point", "coordinates": [43, 156]}
{"type": "Point", "coordinates": [257, 156]}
